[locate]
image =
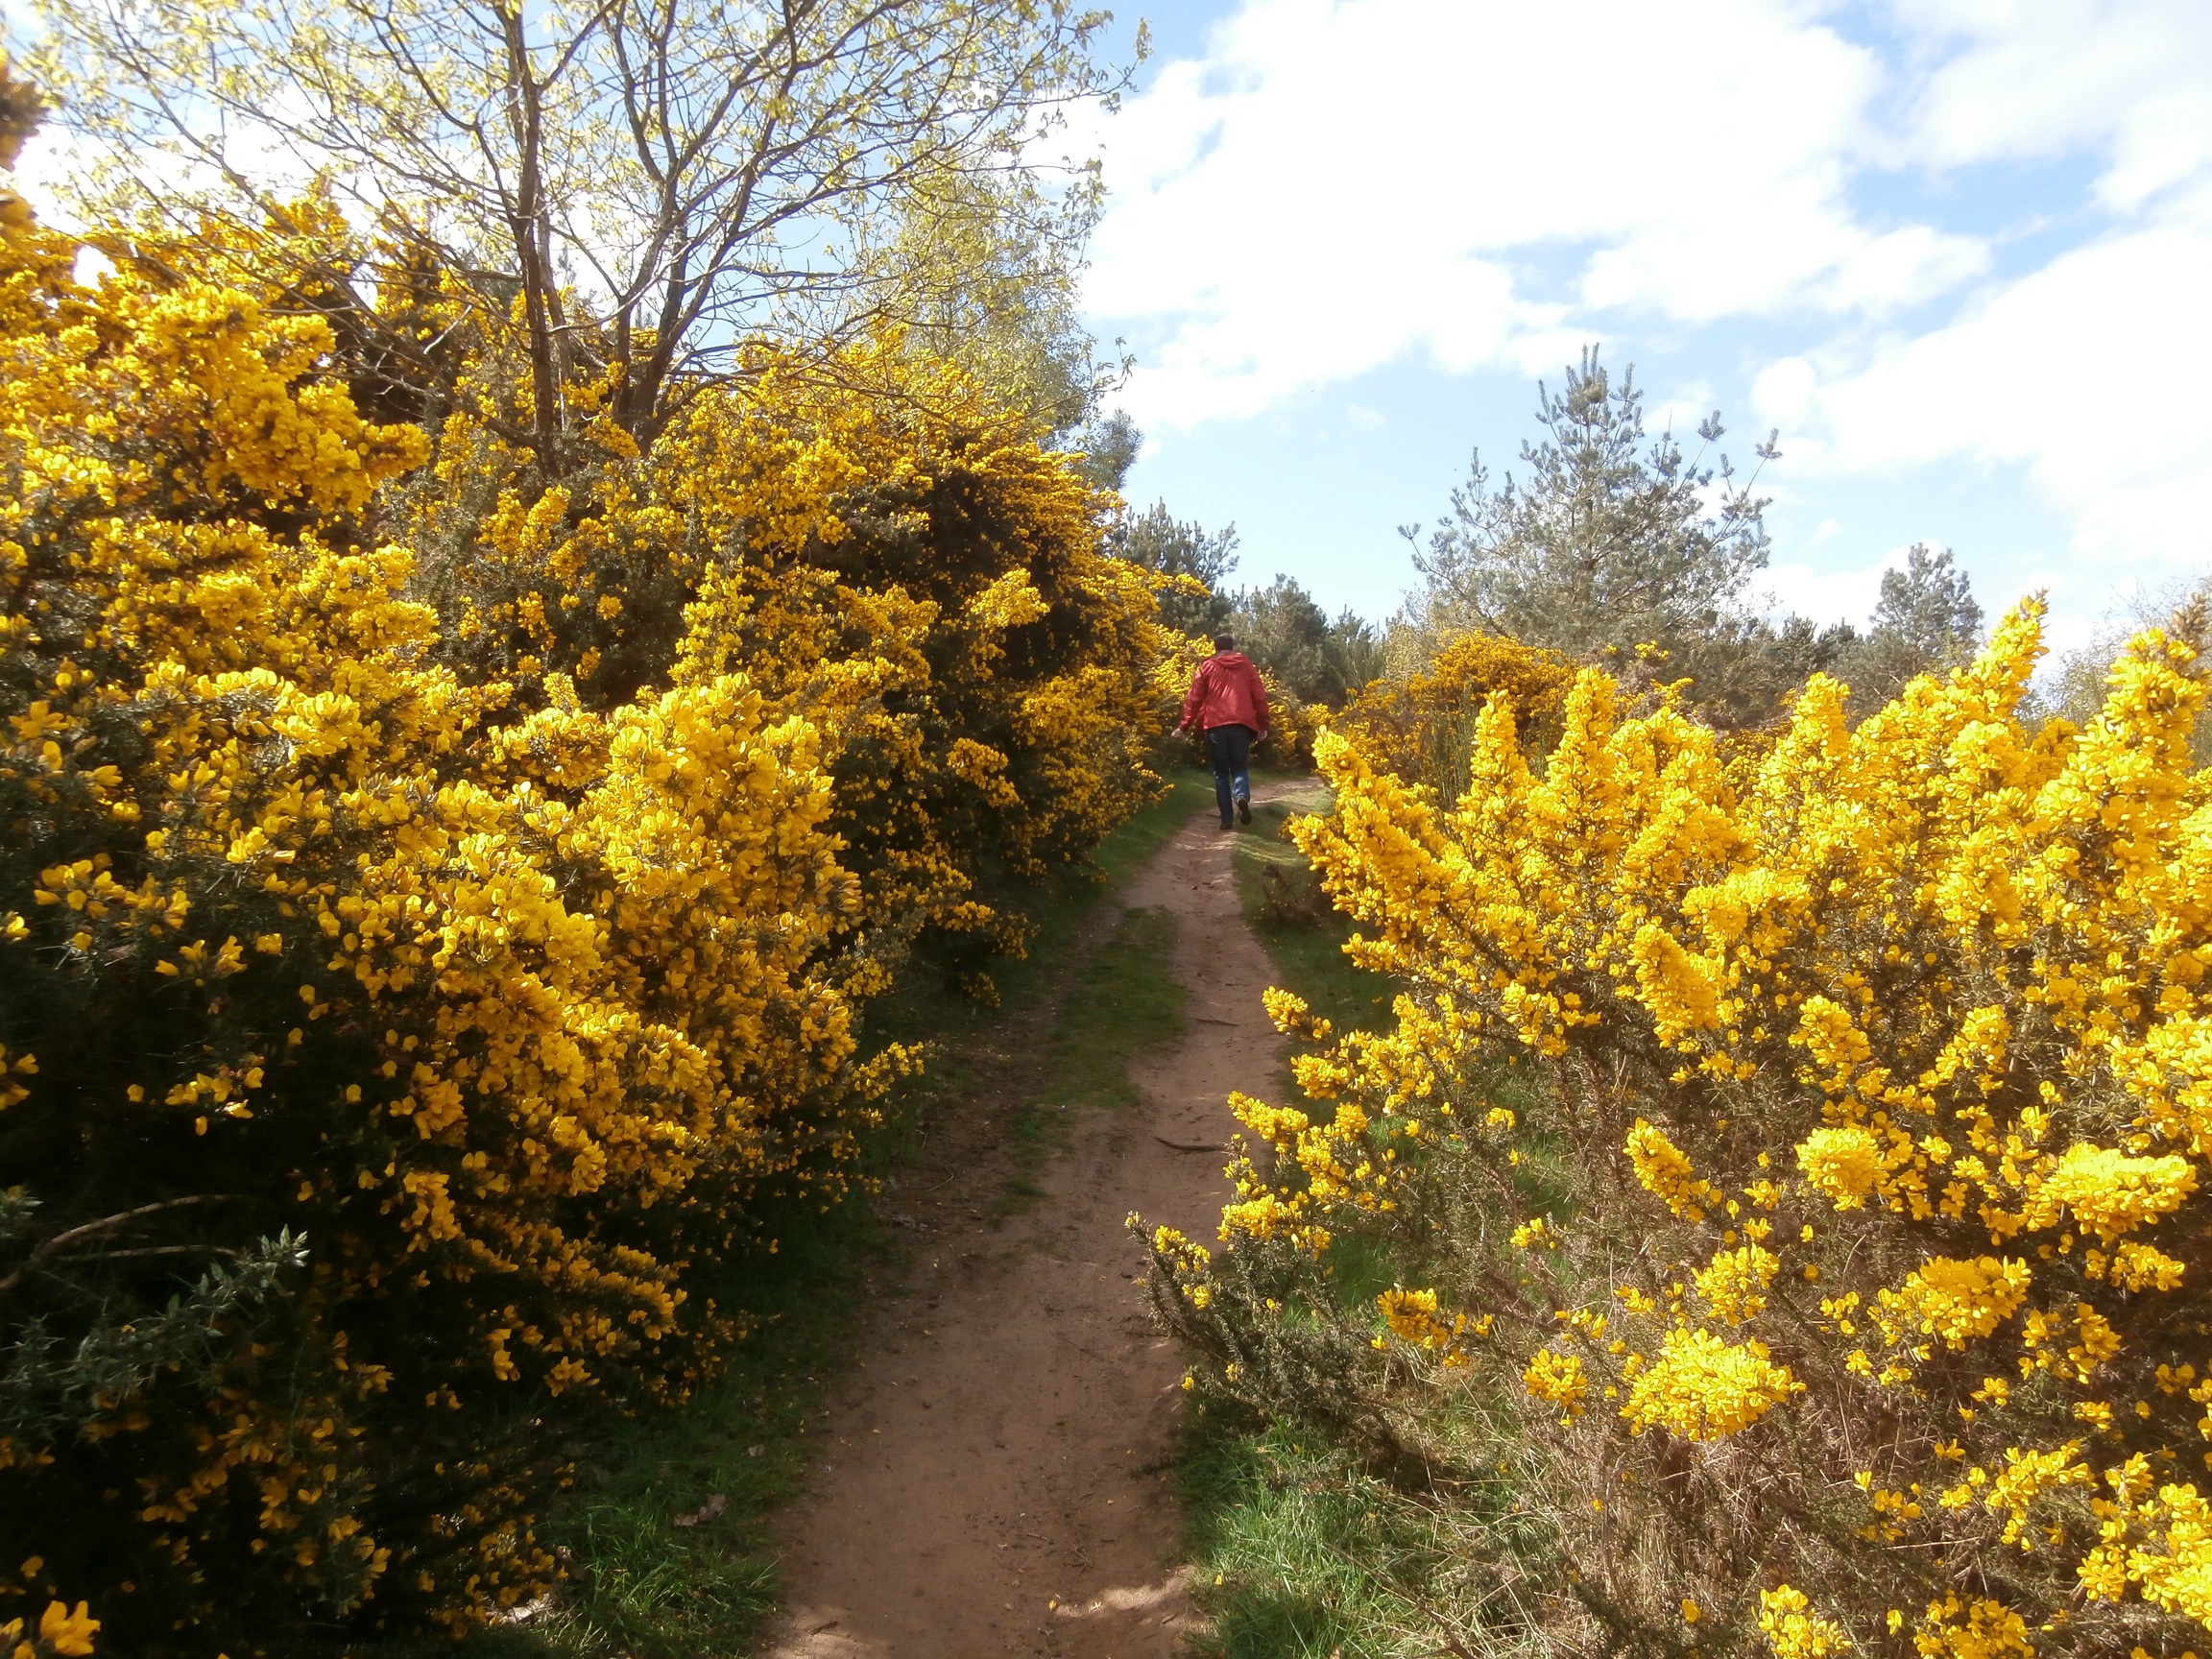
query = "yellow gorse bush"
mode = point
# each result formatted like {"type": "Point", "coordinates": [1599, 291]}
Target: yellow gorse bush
{"type": "Point", "coordinates": [395, 1011]}
{"type": "Point", "coordinates": [877, 547]}
{"type": "Point", "coordinates": [1859, 1088]}
{"type": "Point", "coordinates": [504, 1017]}
{"type": "Point", "coordinates": [1419, 727]}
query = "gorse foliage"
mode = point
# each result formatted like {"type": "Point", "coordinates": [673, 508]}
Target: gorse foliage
{"type": "Point", "coordinates": [1422, 727]}
{"type": "Point", "coordinates": [438, 901]}
{"type": "Point", "coordinates": [873, 543]}
{"type": "Point", "coordinates": [1786, 1164]}
{"type": "Point", "coordinates": [2076, 688]}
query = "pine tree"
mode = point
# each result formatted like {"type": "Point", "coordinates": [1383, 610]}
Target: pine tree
{"type": "Point", "coordinates": [1926, 619]}
{"type": "Point", "coordinates": [1609, 546]}
{"type": "Point", "coordinates": [1160, 541]}
{"type": "Point", "coordinates": [1284, 629]}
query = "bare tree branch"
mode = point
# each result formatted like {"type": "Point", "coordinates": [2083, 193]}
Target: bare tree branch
{"type": "Point", "coordinates": [659, 180]}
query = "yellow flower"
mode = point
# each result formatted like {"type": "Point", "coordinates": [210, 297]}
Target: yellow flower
{"type": "Point", "coordinates": [1666, 1173]}
{"type": "Point", "coordinates": [1794, 1630]}
{"type": "Point", "coordinates": [2111, 1194]}
{"type": "Point", "coordinates": [1989, 1630]}
{"type": "Point", "coordinates": [1948, 965]}
{"type": "Point", "coordinates": [1412, 1315]}
{"type": "Point", "coordinates": [565, 827]}
{"type": "Point", "coordinates": [1956, 1300]}
{"type": "Point", "coordinates": [1844, 1163]}
{"type": "Point", "coordinates": [1557, 1378]}
{"type": "Point", "coordinates": [1702, 1388]}
{"type": "Point", "coordinates": [1734, 1282]}
{"type": "Point", "coordinates": [65, 1632]}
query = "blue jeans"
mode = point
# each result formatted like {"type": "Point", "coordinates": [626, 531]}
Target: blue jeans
{"type": "Point", "coordinates": [1231, 747]}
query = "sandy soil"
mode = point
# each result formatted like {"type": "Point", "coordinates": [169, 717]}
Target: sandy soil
{"type": "Point", "coordinates": [996, 1480]}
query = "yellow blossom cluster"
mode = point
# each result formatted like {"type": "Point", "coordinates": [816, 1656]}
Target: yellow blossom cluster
{"type": "Point", "coordinates": [1412, 1315]}
{"type": "Point", "coordinates": [1420, 727]}
{"type": "Point", "coordinates": [1733, 1285]}
{"type": "Point", "coordinates": [409, 981]}
{"type": "Point", "coordinates": [1557, 1378]}
{"type": "Point", "coordinates": [879, 548]}
{"type": "Point", "coordinates": [1664, 1172]}
{"type": "Point", "coordinates": [1702, 1388]}
{"type": "Point", "coordinates": [1792, 1629]}
{"type": "Point", "coordinates": [61, 1631]}
{"type": "Point", "coordinates": [1958, 1301]}
{"type": "Point", "coordinates": [1870, 1067]}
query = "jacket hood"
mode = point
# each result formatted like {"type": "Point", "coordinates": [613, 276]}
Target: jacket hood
{"type": "Point", "coordinates": [1229, 658]}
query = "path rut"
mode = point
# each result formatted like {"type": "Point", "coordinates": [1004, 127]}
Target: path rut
{"type": "Point", "coordinates": [996, 1478]}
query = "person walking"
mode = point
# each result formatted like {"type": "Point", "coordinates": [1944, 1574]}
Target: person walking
{"type": "Point", "coordinates": [1228, 702]}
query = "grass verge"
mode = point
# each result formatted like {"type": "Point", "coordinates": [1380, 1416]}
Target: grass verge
{"type": "Point", "coordinates": [1300, 1552]}
{"type": "Point", "coordinates": [1119, 1006]}
{"type": "Point", "coordinates": [643, 1586]}
{"type": "Point", "coordinates": [1297, 1551]}
{"type": "Point", "coordinates": [1283, 902]}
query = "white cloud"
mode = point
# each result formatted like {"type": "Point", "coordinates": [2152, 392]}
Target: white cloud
{"type": "Point", "coordinates": [2079, 371]}
{"type": "Point", "coordinates": [1783, 390]}
{"type": "Point", "coordinates": [2036, 80]}
{"type": "Point", "coordinates": [2086, 370]}
{"type": "Point", "coordinates": [1339, 185]}
{"type": "Point", "coordinates": [1828, 595]}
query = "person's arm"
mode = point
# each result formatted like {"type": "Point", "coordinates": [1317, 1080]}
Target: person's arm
{"type": "Point", "coordinates": [1260, 703]}
{"type": "Point", "coordinates": [1195, 696]}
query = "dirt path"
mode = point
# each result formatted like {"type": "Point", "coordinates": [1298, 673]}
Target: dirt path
{"type": "Point", "coordinates": [997, 1482]}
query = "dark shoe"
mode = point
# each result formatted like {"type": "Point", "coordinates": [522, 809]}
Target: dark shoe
{"type": "Point", "coordinates": [1228, 824]}
{"type": "Point", "coordinates": [1243, 811]}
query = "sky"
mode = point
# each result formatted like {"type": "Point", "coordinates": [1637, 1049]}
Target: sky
{"type": "Point", "coordinates": [1959, 252]}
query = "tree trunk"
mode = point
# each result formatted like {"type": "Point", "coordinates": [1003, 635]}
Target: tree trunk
{"type": "Point", "coordinates": [527, 225]}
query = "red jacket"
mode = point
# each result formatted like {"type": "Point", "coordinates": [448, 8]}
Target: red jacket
{"type": "Point", "coordinates": [1226, 691]}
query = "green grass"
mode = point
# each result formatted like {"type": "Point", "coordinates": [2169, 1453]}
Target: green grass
{"type": "Point", "coordinates": [1283, 902]}
{"type": "Point", "coordinates": [931, 1012]}
{"type": "Point", "coordinates": [1295, 1547]}
{"type": "Point", "coordinates": [1121, 1005]}
{"type": "Point", "coordinates": [1299, 1552]}
{"type": "Point", "coordinates": [639, 1585]}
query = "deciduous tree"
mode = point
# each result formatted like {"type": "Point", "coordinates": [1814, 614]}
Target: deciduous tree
{"type": "Point", "coordinates": [646, 182]}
